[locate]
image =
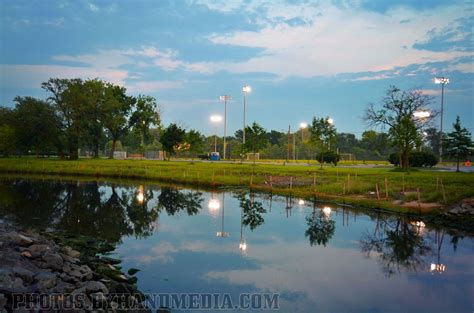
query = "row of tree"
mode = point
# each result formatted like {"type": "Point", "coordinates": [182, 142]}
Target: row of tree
{"type": "Point", "coordinates": [91, 114]}
{"type": "Point", "coordinates": [77, 113]}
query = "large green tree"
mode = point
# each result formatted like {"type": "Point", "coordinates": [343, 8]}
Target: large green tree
{"type": "Point", "coordinates": [397, 113]}
{"type": "Point", "coordinates": [256, 138]}
{"type": "Point", "coordinates": [118, 107]}
{"type": "Point", "coordinates": [323, 133]}
{"type": "Point", "coordinates": [196, 141]}
{"type": "Point", "coordinates": [172, 138]}
{"type": "Point", "coordinates": [37, 126]}
{"type": "Point", "coordinates": [145, 116]}
{"type": "Point", "coordinates": [459, 143]}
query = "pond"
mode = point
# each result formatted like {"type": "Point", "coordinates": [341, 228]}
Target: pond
{"type": "Point", "coordinates": [314, 257]}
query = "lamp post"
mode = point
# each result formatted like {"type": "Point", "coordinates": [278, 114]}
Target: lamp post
{"type": "Point", "coordinates": [331, 122]}
{"type": "Point", "coordinates": [215, 119]}
{"type": "Point", "coordinates": [225, 98]}
{"type": "Point", "coordinates": [442, 81]}
{"type": "Point", "coordinates": [303, 126]}
{"type": "Point", "coordinates": [246, 89]}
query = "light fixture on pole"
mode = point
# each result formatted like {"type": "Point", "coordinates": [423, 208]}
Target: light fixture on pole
{"type": "Point", "coordinates": [442, 81]}
{"type": "Point", "coordinates": [303, 126]}
{"type": "Point", "coordinates": [225, 98]}
{"type": "Point", "coordinates": [422, 114]}
{"type": "Point", "coordinates": [246, 89]}
{"type": "Point", "coordinates": [330, 121]}
{"type": "Point", "coordinates": [215, 119]}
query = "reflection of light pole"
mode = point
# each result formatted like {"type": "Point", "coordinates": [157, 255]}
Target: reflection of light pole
{"type": "Point", "coordinates": [438, 267]}
{"type": "Point", "coordinates": [225, 98]}
{"type": "Point", "coordinates": [246, 89]}
{"type": "Point", "coordinates": [216, 119]}
{"type": "Point", "coordinates": [443, 81]}
{"type": "Point", "coordinates": [222, 233]}
{"type": "Point", "coordinates": [213, 204]}
{"type": "Point", "coordinates": [242, 244]}
{"type": "Point", "coordinates": [140, 195]}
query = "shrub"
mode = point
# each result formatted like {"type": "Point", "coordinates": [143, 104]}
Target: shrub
{"type": "Point", "coordinates": [416, 159]}
{"type": "Point", "coordinates": [329, 157]}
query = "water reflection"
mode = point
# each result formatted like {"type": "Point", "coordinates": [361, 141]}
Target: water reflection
{"type": "Point", "coordinates": [397, 243]}
{"type": "Point", "coordinates": [312, 258]}
{"type": "Point", "coordinates": [320, 227]}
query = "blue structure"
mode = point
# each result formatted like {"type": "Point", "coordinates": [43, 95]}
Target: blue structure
{"type": "Point", "coordinates": [214, 156]}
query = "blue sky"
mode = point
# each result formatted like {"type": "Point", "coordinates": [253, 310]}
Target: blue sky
{"type": "Point", "coordinates": [302, 58]}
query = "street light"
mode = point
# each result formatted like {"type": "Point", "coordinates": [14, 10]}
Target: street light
{"type": "Point", "coordinates": [303, 126]}
{"type": "Point", "coordinates": [215, 119]}
{"type": "Point", "coordinates": [422, 114]}
{"type": "Point", "coordinates": [225, 98]}
{"type": "Point", "coordinates": [246, 89]}
{"type": "Point", "coordinates": [441, 81]}
{"type": "Point", "coordinates": [330, 121]}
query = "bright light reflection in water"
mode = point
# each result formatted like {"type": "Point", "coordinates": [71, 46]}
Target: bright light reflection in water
{"type": "Point", "coordinates": [140, 195]}
{"type": "Point", "coordinates": [327, 211]}
{"type": "Point", "coordinates": [243, 246]}
{"type": "Point", "coordinates": [301, 202]}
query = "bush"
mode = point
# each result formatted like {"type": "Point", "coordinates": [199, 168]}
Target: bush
{"type": "Point", "coordinates": [416, 159]}
{"type": "Point", "coordinates": [329, 157]}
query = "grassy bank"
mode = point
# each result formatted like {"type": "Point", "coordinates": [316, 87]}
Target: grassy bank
{"type": "Point", "coordinates": [372, 187]}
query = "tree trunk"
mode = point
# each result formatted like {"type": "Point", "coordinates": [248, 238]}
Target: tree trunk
{"type": "Point", "coordinates": [96, 150]}
{"type": "Point", "coordinates": [112, 150]}
{"type": "Point", "coordinates": [404, 156]}
{"type": "Point", "coordinates": [457, 162]}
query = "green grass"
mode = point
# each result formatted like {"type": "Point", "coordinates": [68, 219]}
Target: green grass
{"type": "Point", "coordinates": [349, 185]}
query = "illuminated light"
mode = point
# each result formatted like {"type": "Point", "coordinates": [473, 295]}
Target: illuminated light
{"type": "Point", "coordinates": [216, 118]}
{"type": "Point", "coordinates": [425, 134]}
{"type": "Point", "coordinates": [303, 125]}
{"type": "Point", "coordinates": [243, 246]}
{"type": "Point", "coordinates": [222, 234]}
{"type": "Point", "coordinates": [441, 80]}
{"type": "Point", "coordinates": [327, 211]}
{"type": "Point", "coordinates": [422, 114]}
{"type": "Point", "coordinates": [330, 121]}
{"type": "Point", "coordinates": [214, 204]}
{"type": "Point", "coordinates": [246, 89]}
{"type": "Point", "coordinates": [301, 202]}
{"type": "Point", "coordinates": [437, 268]}
{"type": "Point", "coordinates": [225, 98]}
{"type": "Point", "coordinates": [140, 195]}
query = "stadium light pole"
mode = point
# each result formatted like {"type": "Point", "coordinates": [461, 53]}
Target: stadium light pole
{"type": "Point", "coordinates": [225, 98]}
{"type": "Point", "coordinates": [215, 119]}
{"type": "Point", "coordinates": [246, 89]}
{"type": "Point", "coordinates": [303, 126]}
{"type": "Point", "coordinates": [441, 81]}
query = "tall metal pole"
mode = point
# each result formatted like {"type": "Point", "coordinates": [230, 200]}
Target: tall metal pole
{"type": "Point", "coordinates": [215, 140]}
{"type": "Point", "coordinates": [294, 146]}
{"type": "Point", "coordinates": [288, 152]}
{"type": "Point", "coordinates": [243, 137]}
{"type": "Point", "coordinates": [225, 125]}
{"type": "Point", "coordinates": [441, 127]}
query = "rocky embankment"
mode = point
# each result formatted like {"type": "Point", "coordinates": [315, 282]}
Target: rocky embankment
{"type": "Point", "coordinates": [57, 277]}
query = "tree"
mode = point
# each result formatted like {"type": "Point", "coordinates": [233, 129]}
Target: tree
{"type": "Point", "coordinates": [459, 143]}
{"type": "Point", "coordinates": [397, 113]}
{"type": "Point", "coordinates": [117, 109]}
{"type": "Point", "coordinates": [67, 97]}
{"type": "Point", "coordinates": [323, 134]}
{"type": "Point", "coordinates": [145, 116]}
{"type": "Point", "coordinates": [93, 91]}
{"type": "Point", "coordinates": [196, 141]}
{"type": "Point", "coordinates": [36, 125]}
{"type": "Point", "coordinates": [172, 138]}
{"type": "Point", "coordinates": [255, 138]}
{"type": "Point", "coordinates": [320, 228]}
{"type": "Point", "coordinates": [7, 132]}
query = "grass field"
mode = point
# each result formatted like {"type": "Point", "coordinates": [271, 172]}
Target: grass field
{"type": "Point", "coordinates": [381, 187]}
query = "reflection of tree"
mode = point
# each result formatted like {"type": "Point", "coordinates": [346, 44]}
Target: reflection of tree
{"type": "Point", "coordinates": [173, 200]}
{"type": "Point", "coordinates": [320, 228]}
{"type": "Point", "coordinates": [29, 204]}
{"type": "Point", "coordinates": [251, 211]}
{"type": "Point", "coordinates": [77, 208]}
{"type": "Point", "coordinates": [397, 243]}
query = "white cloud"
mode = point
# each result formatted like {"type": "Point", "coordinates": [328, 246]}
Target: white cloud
{"type": "Point", "coordinates": [337, 40]}
{"type": "Point", "coordinates": [153, 86]}
{"type": "Point", "coordinates": [92, 7]}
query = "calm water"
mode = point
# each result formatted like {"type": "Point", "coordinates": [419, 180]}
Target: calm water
{"type": "Point", "coordinates": [317, 258]}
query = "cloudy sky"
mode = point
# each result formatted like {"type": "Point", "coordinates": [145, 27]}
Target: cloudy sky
{"type": "Point", "coordinates": [302, 58]}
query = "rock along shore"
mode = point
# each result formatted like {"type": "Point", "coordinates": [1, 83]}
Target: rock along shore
{"type": "Point", "coordinates": [59, 278]}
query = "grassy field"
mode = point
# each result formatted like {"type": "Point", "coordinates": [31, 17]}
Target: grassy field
{"type": "Point", "coordinates": [381, 187]}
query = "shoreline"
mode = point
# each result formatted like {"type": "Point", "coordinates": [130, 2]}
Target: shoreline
{"type": "Point", "coordinates": [75, 277]}
{"type": "Point", "coordinates": [413, 192]}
